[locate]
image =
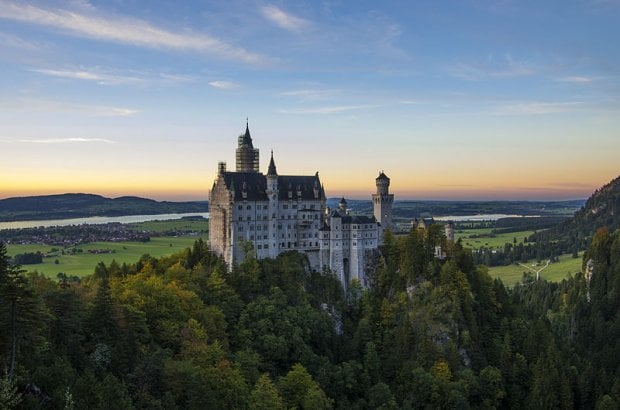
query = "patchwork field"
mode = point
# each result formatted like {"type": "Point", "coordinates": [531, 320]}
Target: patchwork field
{"type": "Point", "coordinates": [82, 264]}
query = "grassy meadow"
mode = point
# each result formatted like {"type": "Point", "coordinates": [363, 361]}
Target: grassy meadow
{"type": "Point", "coordinates": [83, 264]}
{"type": "Point", "coordinates": [555, 272]}
{"type": "Point", "coordinates": [484, 237]}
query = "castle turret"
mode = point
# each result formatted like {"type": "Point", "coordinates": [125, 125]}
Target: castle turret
{"type": "Point", "coordinates": [449, 229]}
{"type": "Point", "coordinates": [382, 202]}
{"type": "Point", "coordinates": [247, 155]}
{"type": "Point", "coordinates": [272, 195]}
{"type": "Point", "coordinates": [342, 206]}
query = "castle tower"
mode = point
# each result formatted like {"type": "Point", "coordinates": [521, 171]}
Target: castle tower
{"type": "Point", "coordinates": [342, 206]}
{"type": "Point", "coordinates": [247, 155]}
{"type": "Point", "coordinates": [382, 202]}
{"type": "Point", "coordinates": [272, 194]}
{"type": "Point", "coordinates": [449, 229]}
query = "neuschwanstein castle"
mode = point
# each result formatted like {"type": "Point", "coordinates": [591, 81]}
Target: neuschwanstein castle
{"type": "Point", "coordinates": [278, 213]}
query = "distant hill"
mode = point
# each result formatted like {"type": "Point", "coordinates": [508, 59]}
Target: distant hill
{"type": "Point", "coordinates": [85, 205]}
{"type": "Point", "coordinates": [602, 209]}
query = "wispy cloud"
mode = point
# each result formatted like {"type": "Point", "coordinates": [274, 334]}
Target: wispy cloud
{"type": "Point", "coordinates": [539, 108]}
{"type": "Point", "coordinates": [65, 140]}
{"type": "Point", "coordinates": [506, 67]}
{"type": "Point", "coordinates": [12, 41]}
{"type": "Point", "coordinates": [39, 105]}
{"type": "Point", "coordinates": [110, 77]}
{"type": "Point", "coordinates": [310, 94]}
{"type": "Point", "coordinates": [100, 78]}
{"type": "Point", "coordinates": [326, 110]}
{"type": "Point", "coordinates": [124, 30]}
{"type": "Point", "coordinates": [284, 20]}
{"type": "Point", "coordinates": [576, 79]}
{"type": "Point", "coordinates": [224, 85]}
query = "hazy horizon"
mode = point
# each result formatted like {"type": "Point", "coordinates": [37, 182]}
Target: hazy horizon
{"type": "Point", "coordinates": [463, 100]}
{"type": "Point", "coordinates": [185, 198]}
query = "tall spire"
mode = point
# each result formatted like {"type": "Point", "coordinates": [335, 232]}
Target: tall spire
{"type": "Point", "coordinates": [272, 166]}
{"type": "Point", "coordinates": [247, 139]}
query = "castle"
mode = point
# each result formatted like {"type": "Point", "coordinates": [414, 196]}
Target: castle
{"type": "Point", "coordinates": [278, 213]}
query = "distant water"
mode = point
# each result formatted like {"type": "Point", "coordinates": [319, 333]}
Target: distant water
{"type": "Point", "coordinates": [96, 220]}
{"type": "Point", "coordinates": [480, 217]}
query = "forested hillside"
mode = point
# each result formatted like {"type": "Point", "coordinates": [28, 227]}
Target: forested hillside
{"type": "Point", "coordinates": [182, 332]}
{"type": "Point", "coordinates": [602, 209]}
{"type": "Point", "coordinates": [84, 205]}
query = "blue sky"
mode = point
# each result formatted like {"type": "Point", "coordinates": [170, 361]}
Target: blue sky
{"type": "Point", "coordinates": [466, 99]}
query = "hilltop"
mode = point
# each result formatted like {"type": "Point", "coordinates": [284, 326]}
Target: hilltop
{"type": "Point", "coordinates": [77, 205]}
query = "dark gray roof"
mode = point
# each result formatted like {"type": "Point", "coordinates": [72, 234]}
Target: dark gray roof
{"type": "Point", "coordinates": [358, 219]}
{"type": "Point", "coordinates": [271, 170]}
{"type": "Point", "coordinates": [247, 139]}
{"type": "Point", "coordinates": [382, 176]}
{"type": "Point", "coordinates": [255, 185]}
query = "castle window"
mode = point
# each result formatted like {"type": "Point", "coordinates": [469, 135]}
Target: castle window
{"type": "Point", "coordinates": [240, 228]}
{"type": "Point", "coordinates": [252, 237]}
{"type": "Point", "coordinates": [241, 218]}
{"type": "Point", "coordinates": [354, 243]}
{"type": "Point", "coordinates": [264, 206]}
{"type": "Point", "coordinates": [325, 243]}
{"type": "Point", "coordinates": [258, 228]}
{"type": "Point", "coordinates": [260, 246]}
{"type": "Point", "coordinates": [294, 206]}
{"type": "Point", "coordinates": [266, 245]}
{"type": "Point", "coordinates": [312, 206]}
{"type": "Point", "coordinates": [249, 207]}
{"type": "Point", "coordinates": [284, 206]}
{"type": "Point", "coordinates": [240, 207]}
{"type": "Point", "coordinates": [249, 218]}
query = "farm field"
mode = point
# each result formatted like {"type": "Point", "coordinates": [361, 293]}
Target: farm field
{"type": "Point", "coordinates": [487, 239]}
{"type": "Point", "coordinates": [555, 272]}
{"type": "Point", "coordinates": [83, 264]}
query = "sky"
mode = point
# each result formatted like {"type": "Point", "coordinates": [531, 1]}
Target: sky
{"type": "Point", "coordinates": [455, 100]}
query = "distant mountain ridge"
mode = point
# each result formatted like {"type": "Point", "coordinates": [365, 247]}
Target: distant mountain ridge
{"type": "Point", "coordinates": [78, 205]}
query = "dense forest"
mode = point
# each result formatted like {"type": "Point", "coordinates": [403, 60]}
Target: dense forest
{"type": "Point", "coordinates": [185, 332]}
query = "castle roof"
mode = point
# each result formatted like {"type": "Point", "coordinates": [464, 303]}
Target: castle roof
{"type": "Point", "coordinates": [254, 184]}
{"type": "Point", "coordinates": [382, 176]}
{"type": "Point", "coordinates": [246, 139]}
{"type": "Point", "coordinates": [272, 166]}
{"type": "Point", "coordinates": [358, 219]}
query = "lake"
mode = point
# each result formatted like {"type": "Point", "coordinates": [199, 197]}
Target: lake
{"type": "Point", "coordinates": [480, 217]}
{"type": "Point", "coordinates": [97, 220]}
